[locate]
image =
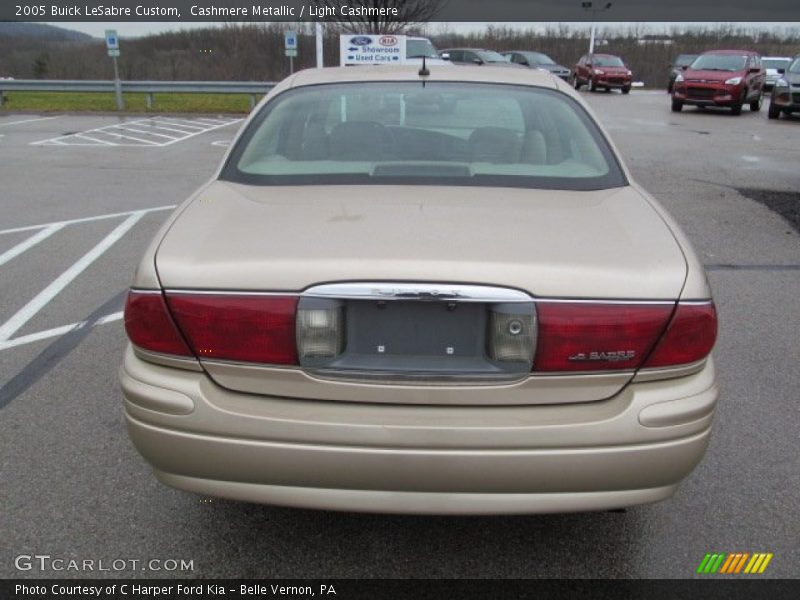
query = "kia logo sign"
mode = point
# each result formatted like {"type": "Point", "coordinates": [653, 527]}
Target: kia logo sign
{"type": "Point", "coordinates": [388, 40]}
{"type": "Point", "coordinates": [361, 41]}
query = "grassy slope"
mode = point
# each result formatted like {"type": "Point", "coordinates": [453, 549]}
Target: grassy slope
{"type": "Point", "coordinates": [77, 102]}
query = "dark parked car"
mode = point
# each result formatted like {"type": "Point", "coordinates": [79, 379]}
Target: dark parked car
{"type": "Point", "coordinates": [683, 60]}
{"type": "Point", "coordinates": [476, 56]}
{"type": "Point", "coordinates": [537, 60]}
{"type": "Point", "coordinates": [602, 71]}
{"type": "Point", "coordinates": [729, 78]}
{"type": "Point", "coordinates": [786, 91]}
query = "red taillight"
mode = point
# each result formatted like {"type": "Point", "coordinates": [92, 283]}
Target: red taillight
{"type": "Point", "coordinates": [690, 336]}
{"type": "Point", "coordinates": [149, 326]}
{"type": "Point", "coordinates": [578, 336]}
{"type": "Point", "coordinates": [254, 329]}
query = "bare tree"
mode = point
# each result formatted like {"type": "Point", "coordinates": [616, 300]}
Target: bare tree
{"type": "Point", "coordinates": [363, 16]}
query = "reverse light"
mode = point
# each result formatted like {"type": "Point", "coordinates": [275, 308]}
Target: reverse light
{"type": "Point", "coordinates": [733, 81]}
{"type": "Point", "coordinates": [599, 72]}
{"type": "Point", "coordinates": [679, 78]}
{"type": "Point", "coordinates": [512, 333]}
{"type": "Point", "coordinates": [320, 329]}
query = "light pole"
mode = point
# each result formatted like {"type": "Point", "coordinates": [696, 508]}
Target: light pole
{"type": "Point", "coordinates": [590, 6]}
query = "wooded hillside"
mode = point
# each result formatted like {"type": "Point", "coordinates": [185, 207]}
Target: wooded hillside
{"type": "Point", "coordinates": [255, 51]}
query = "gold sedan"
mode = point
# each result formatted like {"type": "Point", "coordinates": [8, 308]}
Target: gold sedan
{"type": "Point", "coordinates": [422, 292]}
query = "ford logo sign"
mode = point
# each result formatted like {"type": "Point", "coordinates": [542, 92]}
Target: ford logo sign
{"type": "Point", "coordinates": [361, 41]}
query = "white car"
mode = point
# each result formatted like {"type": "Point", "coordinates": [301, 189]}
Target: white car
{"type": "Point", "coordinates": [772, 64]}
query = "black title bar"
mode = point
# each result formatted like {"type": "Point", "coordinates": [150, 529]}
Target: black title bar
{"type": "Point", "coordinates": [711, 588]}
{"type": "Point", "coordinates": [528, 11]}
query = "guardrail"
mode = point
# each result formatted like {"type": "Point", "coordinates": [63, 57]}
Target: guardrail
{"type": "Point", "coordinates": [149, 88]}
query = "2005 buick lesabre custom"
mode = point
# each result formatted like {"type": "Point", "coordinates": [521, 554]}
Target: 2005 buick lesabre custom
{"type": "Point", "coordinates": [434, 293]}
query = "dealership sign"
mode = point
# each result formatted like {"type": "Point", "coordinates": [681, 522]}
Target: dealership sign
{"type": "Point", "coordinates": [359, 49]}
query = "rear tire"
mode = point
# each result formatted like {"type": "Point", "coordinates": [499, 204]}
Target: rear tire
{"type": "Point", "coordinates": [677, 106]}
{"type": "Point", "coordinates": [576, 82]}
{"type": "Point", "coordinates": [592, 86]}
{"type": "Point", "coordinates": [626, 90]}
{"type": "Point", "coordinates": [755, 105]}
{"type": "Point", "coordinates": [774, 112]}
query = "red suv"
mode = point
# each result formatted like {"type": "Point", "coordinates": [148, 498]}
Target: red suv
{"type": "Point", "coordinates": [601, 71]}
{"type": "Point", "coordinates": [721, 78]}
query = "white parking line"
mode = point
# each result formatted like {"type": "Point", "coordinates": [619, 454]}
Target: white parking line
{"type": "Point", "coordinates": [87, 219]}
{"type": "Point", "coordinates": [118, 134]}
{"type": "Point", "coordinates": [83, 136]}
{"type": "Point", "coordinates": [56, 331]}
{"type": "Point", "coordinates": [29, 243]}
{"type": "Point", "coordinates": [180, 122]}
{"type": "Point", "coordinates": [181, 131]}
{"type": "Point", "coordinates": [27, 121]}
{"type": "Point", "coordinates": [27, 312]}
{"type": "Point", "coordinates": [169, 137]}
{"type": "Point", "coordinates": [45, 230]}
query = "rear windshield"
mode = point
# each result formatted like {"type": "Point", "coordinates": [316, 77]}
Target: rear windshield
{"type": "Point", "coordinates": [685, 59]}
{"type": "Point", "coordinates": [719, 62]}
{"type": "Point", "coordinates": [794, 67]}
{"type": "Point", "coordinates": [440, 133]}
{"type": "Point", "coordinates": [491, 56]}
{"type": "Point", "coordinates": [539, 59]}
{"type": "Point", "coordinates": [775, 63]}
{"type": "Point", "coordinates": [607, 61]}
{"type": "Point", "coordinates": [420, 48]}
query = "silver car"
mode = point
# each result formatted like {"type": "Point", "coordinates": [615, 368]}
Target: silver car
{"type": "Point", "coordinates": [420, 292]}
{"type": "Point", "coordinates": [773, 64]}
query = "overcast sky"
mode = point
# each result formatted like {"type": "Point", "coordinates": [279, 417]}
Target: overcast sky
{"type": "Point", "coordinates": [140, 29]}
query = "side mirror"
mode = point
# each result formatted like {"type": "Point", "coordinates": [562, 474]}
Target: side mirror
{"type": "Point", "coordinates": [445, 56]}
{"type": "Point", "coordinates": [684, 67]}
{"type": "Point", "coordinates": [755, 70]}
{"type": "Point", "coordinates": [781, 71]}
{"type": "Point", "coordinates": [477, 61]}
{"type": "Point", "coordinates": [524, 63]}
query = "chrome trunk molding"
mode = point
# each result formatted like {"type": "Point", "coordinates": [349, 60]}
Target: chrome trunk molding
{"type": "Point", "coordinates": [423, 292]}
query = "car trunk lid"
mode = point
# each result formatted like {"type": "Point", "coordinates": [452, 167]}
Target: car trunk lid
{"type": "Point", "coordinates": [601, 245]}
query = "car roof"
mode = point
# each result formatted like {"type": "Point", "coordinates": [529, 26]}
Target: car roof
{"type": "Point", "coordinates": [605, 54]}
{"type": "Point", "coordinates": [746, 52]}
{"type": "Point", "coordinates": [469, 74]}
{"type": "Point", "coordinates": [524, 52]}
{"type": "Point", "coordinates": [776, 57]}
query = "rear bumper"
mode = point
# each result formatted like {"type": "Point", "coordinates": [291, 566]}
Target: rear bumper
{"type": "Point", "coordinates": [418, 459]}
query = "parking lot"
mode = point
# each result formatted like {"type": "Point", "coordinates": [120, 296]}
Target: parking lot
{"type": "Point", "coordinates": [81, 197]}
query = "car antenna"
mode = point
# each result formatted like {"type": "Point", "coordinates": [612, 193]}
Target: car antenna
{"type": "Point", "coordinates": [424, 72]}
